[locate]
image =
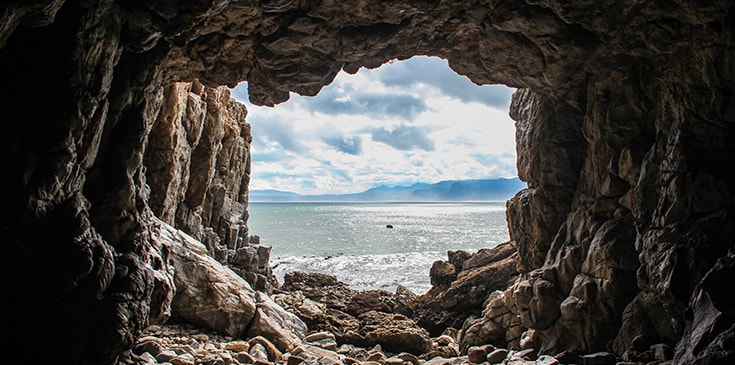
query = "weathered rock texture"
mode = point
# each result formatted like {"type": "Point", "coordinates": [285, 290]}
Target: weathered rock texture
{"type": "Point", "coordinates": [625, 137]}
{"type": "Point", "coordinates": [461, 285]}
{"type": "Point", "coordinates": [197, 163]}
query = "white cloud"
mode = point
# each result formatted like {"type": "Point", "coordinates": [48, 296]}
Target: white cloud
{"type": "Point", "coordinates": [405, 122]}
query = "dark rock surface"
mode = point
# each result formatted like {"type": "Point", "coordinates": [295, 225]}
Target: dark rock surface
{"type": "Point", "coordinates": [454, 298]}
{"type": "Point", "coordinates": [624, 127]}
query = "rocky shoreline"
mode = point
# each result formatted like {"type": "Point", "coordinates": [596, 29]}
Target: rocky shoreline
{"type": "Point", "coordinates": [218, 318]}
{"type": "Point", "coordinates": [394, 338]}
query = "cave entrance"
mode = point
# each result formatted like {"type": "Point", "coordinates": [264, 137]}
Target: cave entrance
{"type": "Point", "coordinates": [328, 170]}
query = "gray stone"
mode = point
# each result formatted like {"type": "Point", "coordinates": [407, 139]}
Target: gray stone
{"type": "Point", "coordinates": [497, 356]}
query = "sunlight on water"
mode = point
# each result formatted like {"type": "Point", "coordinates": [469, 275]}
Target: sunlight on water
{"type": "Point", "coordinates": [351, 241]}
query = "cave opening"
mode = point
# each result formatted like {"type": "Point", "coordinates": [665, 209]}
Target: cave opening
{"type": "Point", "coordinates": [625, 115]}
{"type": "Point", "coordinates": [331, 171]}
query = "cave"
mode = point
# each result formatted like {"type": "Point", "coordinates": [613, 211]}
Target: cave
{"type": "Point", "coordinates": [624, 112]}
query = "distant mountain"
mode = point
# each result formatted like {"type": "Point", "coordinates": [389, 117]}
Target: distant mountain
{"type": "Point", "coordinates": [453, 190]}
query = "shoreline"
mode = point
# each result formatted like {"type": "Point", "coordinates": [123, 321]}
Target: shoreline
{"type": "Point", "coordinates": [315, 318]}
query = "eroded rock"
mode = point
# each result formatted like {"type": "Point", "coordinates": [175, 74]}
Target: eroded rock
{"type": "Point", "coordinates": [624, 124]}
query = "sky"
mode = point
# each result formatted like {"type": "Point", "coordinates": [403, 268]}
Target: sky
{"type": "Point", "coordinates": [402, 123]}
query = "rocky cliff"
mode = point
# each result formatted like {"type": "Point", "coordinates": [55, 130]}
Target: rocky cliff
{"type": "Point", "coordinates": [624, 127]}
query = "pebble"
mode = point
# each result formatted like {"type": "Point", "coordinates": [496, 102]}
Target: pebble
{"type": "Point", "coordinates": [477, 355]}
{"type": "Point", "coordinates": [173, 344]}
{"type": "Point", "coordinates": [497, 356]}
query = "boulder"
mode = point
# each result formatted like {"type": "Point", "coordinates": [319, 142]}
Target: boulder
{"type": "Point", "coordinates": [455, 298]}
{"type": "Point", "coordinates": [283, 328]}
{"type": "Point", "coordinates": [393, 332]}
{"type": "Point", "coordinates": [208, 294]}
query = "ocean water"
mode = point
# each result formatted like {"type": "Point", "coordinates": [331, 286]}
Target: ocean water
{"type": "Point", "coordinates": [352, 241]}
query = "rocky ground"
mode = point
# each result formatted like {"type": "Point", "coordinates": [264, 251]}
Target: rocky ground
{"type": "Point", "coordinates": [187, 345]}
{"type": "Point", "coordinates": [348, 327]}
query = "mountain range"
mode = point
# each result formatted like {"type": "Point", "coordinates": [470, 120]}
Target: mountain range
{"type": "Point", "coordinates": [452, 190]}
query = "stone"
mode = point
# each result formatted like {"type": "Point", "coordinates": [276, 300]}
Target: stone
{"type": "Point", "coordinates": [497, 356]}
{"type": "Point", "coordinates": [258, 352]}
{"type": "Point", "coordinates": [229, 304]}
{"type": "Point", "coordinates": [294, 360]}
{"type": "Point", "coordinates": [182, 360]}
{"type": "Point", "coordinates": [527, 354]}
{"type": "Point", "coordinates": [547, 360]}
{"type": "Point", "coordinates": [442, 273]}
{"type": "Point", "coordinates": [453, 302]}
{"type": "Point", "coordinates": [662, 351]}
{"type": "Point", "coordinates": [263, 349]}
{"type": "Point", "coordinates": [568, 357]}
{"type": "Point", "coordinates": [599, 358]}
{"type": "Point", "coordinates": [325, 340]}
{"type": "Point", "coordinates": [237, 346]}
{"type": "Point", "coordinates": [150, 346]}
{"type": "Point", "coordinates": [477, 355]}
{"type": "Point", "coordinates": [284, 329]}
{"type": "Point", "coordinates": [245, 358]}
{"type": "Point", "coordinates": [394, 332]}
{"type": "Point", "coordinates": [146, 357]}
{"type": "Point", "coordinates": [409, 358]}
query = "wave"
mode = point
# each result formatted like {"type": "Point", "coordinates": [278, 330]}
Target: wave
{"type": "Point", "coordinates": [366, 272]}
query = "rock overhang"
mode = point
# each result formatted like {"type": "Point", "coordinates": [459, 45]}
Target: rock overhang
{"type": "Point", "coordinates": [615, 96]}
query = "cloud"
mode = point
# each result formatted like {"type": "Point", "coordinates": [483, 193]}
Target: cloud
{"type": "Point", "coordinates": [272, 131]}
{"type": "Point", "coordinates": [404, 137]}
{"type": "Point", "coordinates": [405, 122]}
{"type": "Point", "coordinates": [436, 72]}
{"type": "Point", "coordinates": [270, 156]}
{"type": "Point", "coordinates": [348, 100]}
{"type": "Point", "coordinates": [273, 175]}
{"type": "Point", "coordinates": [349, 145]}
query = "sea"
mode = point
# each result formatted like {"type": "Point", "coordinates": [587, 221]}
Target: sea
{"type": "Point", "coordinates": [354, 241]}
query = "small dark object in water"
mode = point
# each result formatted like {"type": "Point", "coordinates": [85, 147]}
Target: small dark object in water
{"type": "Point", "coordinates": [389, 226]}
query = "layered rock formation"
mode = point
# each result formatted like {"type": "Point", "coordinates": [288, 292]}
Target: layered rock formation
{"type": "Point", "coordinates": [461, 285]}
{"type": "Point", "coordinates": [197, 164]}
{"type": "Point", "coordinates": [625, 135]}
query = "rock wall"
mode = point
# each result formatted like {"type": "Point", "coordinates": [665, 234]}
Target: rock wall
{"type": "Point", "coordinates": [625, 135]}
{"type": "Point", "coordinates": [197, 163]}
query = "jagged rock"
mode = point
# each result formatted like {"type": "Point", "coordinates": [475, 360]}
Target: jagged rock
{"type": "Point", "coordinates": [284, 329]}
{"type": "Point", "coordinates": [450, 302]}
{"type": "Point", "coordinates": [624, 124]}
{"type": "Point", "coordinates": [202, 127]}
{"type": "Point", "coordinates": [500, 322]}
{"type": "Point", "coordinates": [207, 293]}
{"type": "Point", "coordinates": [394, 332]}
{"type": "Point", "coordinates": [319, 287]}
{"type": "Point", "coordinates": [311, 312]}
